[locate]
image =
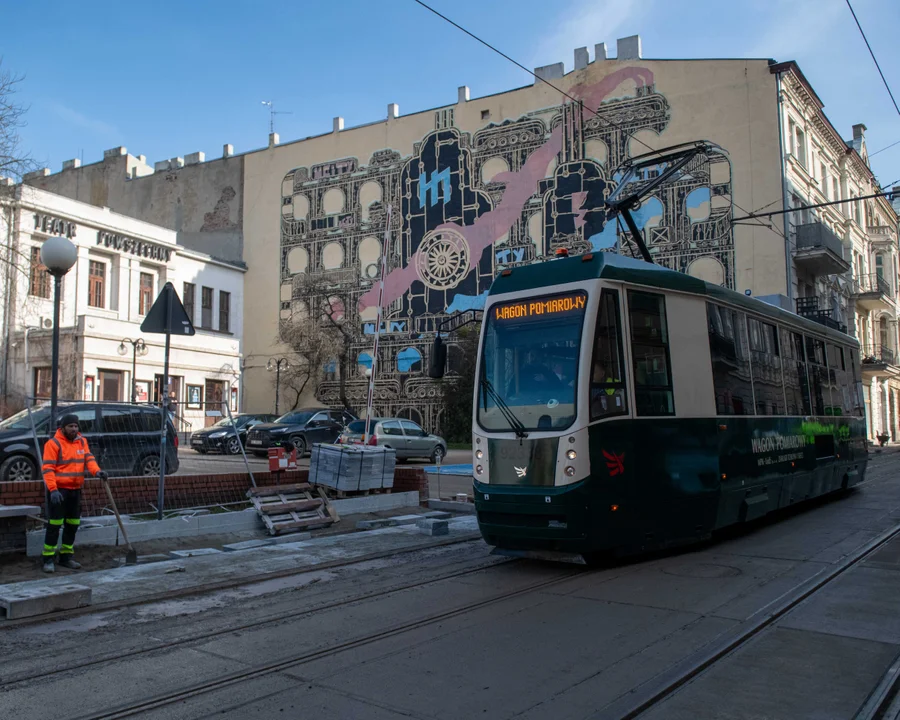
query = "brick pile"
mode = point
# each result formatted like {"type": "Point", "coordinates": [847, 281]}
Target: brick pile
{"type": "Point", "coordinates": [139, 494]}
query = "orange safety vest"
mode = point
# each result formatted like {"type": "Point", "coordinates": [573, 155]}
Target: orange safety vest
{"type": "Point", "coordinates": [65, 462]}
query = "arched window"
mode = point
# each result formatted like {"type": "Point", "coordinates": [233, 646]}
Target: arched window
{"type": "Point", "coordinates": [332, 256]}
{"type": "Point", "coordinates": [369, 193]}
{"type": "Point", "coordinates": [333, 201]}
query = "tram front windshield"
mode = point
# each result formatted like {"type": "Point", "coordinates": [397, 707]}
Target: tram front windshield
{"type": "Point", "coordinates": [529, 363]}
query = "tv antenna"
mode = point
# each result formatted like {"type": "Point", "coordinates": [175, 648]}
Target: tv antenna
{"type": "Point", "coordinates": [273, 112]}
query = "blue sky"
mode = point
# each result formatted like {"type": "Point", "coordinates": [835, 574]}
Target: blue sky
{"type": "Point", "coordinates": [167, 78]}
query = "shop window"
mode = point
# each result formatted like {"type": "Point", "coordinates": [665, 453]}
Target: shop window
{"type": "Point", "coordinates": [224, 311]}
{"type": "Point", "coordinates": [206, 308]}
{"type": "Point", "coordinates": [146, 296]}
{"type": "Point", "coordinates": [97, 284]}
{"type": "Point", "coordinates": [42, 382]}
{"type": "Point", "coordinates": [187, 299]}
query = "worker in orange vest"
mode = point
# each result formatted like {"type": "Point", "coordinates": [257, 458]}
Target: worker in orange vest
{"type": "Point", "coordinates": [66, 457]}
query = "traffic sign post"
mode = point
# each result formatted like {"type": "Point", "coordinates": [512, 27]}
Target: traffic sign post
{"type": "Point", "coordinates": [166, 315]}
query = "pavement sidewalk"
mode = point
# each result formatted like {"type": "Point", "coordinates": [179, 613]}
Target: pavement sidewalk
{"type": "Point", "coordinates": [136, 583]}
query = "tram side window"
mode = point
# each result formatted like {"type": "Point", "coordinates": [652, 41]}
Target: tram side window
{"type": "Point", "coordinates": [839, 381]}
{"type": "Point", "coordinates": [765, 360]}
{"type": "Point", "coordinates": [730, 361]}
{"type": "Point", "coordinates": [856, 393]}
{"type": "Point", "coordinates": [817, 370]}
{"type": "Point", "coordinates": [796, 388]}
{"type": "Point", "coordinates": [607, 370]}
{"type": "Point", "coordinates": [650, 353]}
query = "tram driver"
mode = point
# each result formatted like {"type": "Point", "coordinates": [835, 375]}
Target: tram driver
{"type": "Point", "coordinates": [607, 395]}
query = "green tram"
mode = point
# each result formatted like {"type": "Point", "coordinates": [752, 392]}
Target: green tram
{"type": "Point", "coordinates": [621, 407]}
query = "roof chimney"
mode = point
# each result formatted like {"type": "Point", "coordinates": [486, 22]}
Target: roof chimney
{"type": "Point", "coordinates": [628, 48]}
{"type": "Point", "coordinates": [337, 124]}
{"type": "Point", "coordinates": [227, 150]}
{"type": "Point", "coordinates": [599, 52]}
{"type": "Point", "coordinates": [859, 131]}
{"type": "Point", "coordinates": [581, 58]}
{"type": "Point", "coordinates": [462, 94]}
{"type": "Point", "coordinates": [393, 111]}
{"type": "Point", "coordinates": [273, 139]}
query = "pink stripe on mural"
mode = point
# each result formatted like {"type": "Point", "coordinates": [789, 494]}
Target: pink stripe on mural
{"type": "Point", "coordinates": [520, 186]}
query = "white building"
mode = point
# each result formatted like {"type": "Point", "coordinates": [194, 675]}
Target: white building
{"type": "Point", "coordinates": [845, 254]}
{"type": "Point", "coordinates": [122, 265]}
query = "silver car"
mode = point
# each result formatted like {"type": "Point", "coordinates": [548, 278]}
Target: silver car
{"type": "Point", "coordinates": [406, 438]}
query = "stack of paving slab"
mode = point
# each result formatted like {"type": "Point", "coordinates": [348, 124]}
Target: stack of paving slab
{"type": "Point", "coordinates": [352, 468]}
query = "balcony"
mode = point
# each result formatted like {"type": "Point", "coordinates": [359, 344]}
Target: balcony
{"type": "Point", "coordinates": [881, 235]}
{"type": "Point", "coordinates": [812, 308]}
{"type": "Point", "coordinates": [819, 251]}
{"type": "Point", "coordinates": [879, 359]}
{"type": "Point", "coordinates": [872, 292]}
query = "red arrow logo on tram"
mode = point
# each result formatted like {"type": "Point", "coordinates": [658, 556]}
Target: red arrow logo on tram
{"type": "Point", "coordinates": [615, 463]}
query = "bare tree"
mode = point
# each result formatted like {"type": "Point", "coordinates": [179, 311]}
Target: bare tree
{"type": "Point", "coordinates": [14, 161]}
{"type": "Point", "coordinates": [313, 346]}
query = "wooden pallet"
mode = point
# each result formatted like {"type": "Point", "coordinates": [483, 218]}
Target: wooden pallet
{"type": "Point", "coordinates": [287, 508]}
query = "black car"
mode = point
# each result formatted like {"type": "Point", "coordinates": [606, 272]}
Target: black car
{"type": "Point", "coordinates": [223, 436]}
{"type": "Point", "coordinates": [123, 437]}
{"type": "Point", "coordinates": [302, 428]}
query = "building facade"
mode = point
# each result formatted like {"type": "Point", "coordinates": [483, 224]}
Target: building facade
{"type": "Point", "coordinates": [450, 196]}
{"type": "Point", "coordinates": [844, 270]}
{"type": "Point", "coordinates": [122, 265]}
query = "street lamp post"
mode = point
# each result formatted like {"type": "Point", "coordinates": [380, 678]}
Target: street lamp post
{"type": "Point", "coordinates": [276, 365]}
{"type": "Point", "coordinates": [58, 255]}
{"type": "Point", "coordinates": [138, 347]}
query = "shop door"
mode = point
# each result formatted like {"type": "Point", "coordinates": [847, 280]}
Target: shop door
{"type": "Point", "coordinates": [216, 397]}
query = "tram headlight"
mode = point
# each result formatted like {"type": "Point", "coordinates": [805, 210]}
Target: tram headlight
{"type": "Point", "coordinates": [570, 471]}
{"type": "Point", "coordinates": [571, 454]}
{"type": "Point", "coordinates": [479, 469]}
{"type": "Point", "coordinates": [479, 454]}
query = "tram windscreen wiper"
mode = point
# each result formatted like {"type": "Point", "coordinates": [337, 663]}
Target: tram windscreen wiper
{"type": "Point", "coordinates": [514, 422]}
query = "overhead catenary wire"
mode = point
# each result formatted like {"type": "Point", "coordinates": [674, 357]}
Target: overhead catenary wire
{"type": "Point", "coordinates": [874, 59]}
{"type": "Point", "coordinates": [753, 216]}
{"type": "Point", "coordinates": [887, 147]}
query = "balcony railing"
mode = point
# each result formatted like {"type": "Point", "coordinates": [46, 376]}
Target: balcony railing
{"type": "Point", "coordinates": [812, 308]}
{"type": "Point", "coordinates": [817, 235]}
{"type": "Point", "coordinates": [871, 284]}
{"type": "Point", "coordinates": [878, 355]}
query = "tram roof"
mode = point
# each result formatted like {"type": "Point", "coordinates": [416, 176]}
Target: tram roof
{"type": "Point", "coordinates": [612, 266]}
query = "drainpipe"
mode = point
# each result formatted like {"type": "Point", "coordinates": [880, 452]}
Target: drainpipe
{"type": "Point", "coordinates": [12, 216]}
{"type": "Point", "coordinates": [784, 197]}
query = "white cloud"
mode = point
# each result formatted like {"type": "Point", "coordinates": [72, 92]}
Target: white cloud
{"type": "Point", "coordinates": [797, 27]}
{"type": "Point", "coordinates": [584, 23]}
{"type": "Point", "coordinates": [79, 120]}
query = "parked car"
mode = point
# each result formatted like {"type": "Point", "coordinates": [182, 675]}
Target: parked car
{"type": "Point", "coordinates": [302, 428]}
{"type": "Point", "coordinates": [223, 436]}
{"type": "Point", "coordinates": [406, 438]}
{"type": "Point", "coordinates": [123, 437]}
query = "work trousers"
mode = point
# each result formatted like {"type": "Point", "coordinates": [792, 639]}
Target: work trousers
{"type": "Point", "coordinates": [66, 516]}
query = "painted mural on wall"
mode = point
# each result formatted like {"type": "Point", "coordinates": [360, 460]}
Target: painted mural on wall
{"type": "Point", "coordinates": [466, 205]}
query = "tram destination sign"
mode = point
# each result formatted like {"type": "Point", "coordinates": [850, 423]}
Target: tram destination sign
{"type": "Point", "coordinates": [543, 307]}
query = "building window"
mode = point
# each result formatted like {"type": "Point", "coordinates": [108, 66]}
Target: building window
{"type": "Point", "coordinates": [188, 300]}
{"type": "Point", "coordinates": [792, 137]}
{"type": "Point", "coordinates": [42, 382]}
{"type": "Point", "coordinates": [97, 284]}
{"type": "Point", "coordinates": [824, 180]}
{"type": "Point", "coordinates": [800, 146]}
{"type": "Point", "coordinates": [224, 310]}
{"type": "Point", "coordinates": [39, 278]}
{"type": "Point", "coordinates": [206, 308]}
{"type": "Point", "coordinates": [836, 193]}
{"type": "Point", "coordinates": [146, 297]}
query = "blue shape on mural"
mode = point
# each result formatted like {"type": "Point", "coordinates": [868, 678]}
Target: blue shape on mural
{"type": "Point", "coordinates": [365, 360]}
{"type": "Point", "coordinates": [505, 255]}
{"type": "Point", "coordinates": [439, 181]}
{"type": "Point", "coordinates": [408, 357]}
{"type": "Point", "coordinates": [605, 240]}
{"type": "Point", "coordinates": [461, 303]}
{"type": "Point", "coordinates": [695, 202]}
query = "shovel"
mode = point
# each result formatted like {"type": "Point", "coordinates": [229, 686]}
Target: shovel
{"type": "Point", "coordinates": [131, 555]}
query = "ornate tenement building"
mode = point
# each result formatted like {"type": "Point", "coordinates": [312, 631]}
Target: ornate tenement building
{"type": "Point", "coordinates": [486, 183]}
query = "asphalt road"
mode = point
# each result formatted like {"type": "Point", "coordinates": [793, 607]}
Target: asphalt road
{"type": "Point", "coordinates": [513, 639]}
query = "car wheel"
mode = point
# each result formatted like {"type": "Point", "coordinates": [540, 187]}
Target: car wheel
{"type": "Point", "coordinates": [148, 466]}
{"type": "Point", "coordinates": [233, 446]}
{"type": "Point", "coordinates": [18, 468]}
{"type": "Point", "coordinates": [299, 442]}
{"type": "Point", "coordinates": [438, 454]}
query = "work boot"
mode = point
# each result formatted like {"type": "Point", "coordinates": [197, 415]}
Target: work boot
{"type": "Point", "coordinates": [67, 561]}
{"type": "Point", "coordinates": [49, 567]}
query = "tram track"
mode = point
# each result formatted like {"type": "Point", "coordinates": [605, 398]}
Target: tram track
{"type": "Point", "coordinates": [259, 671]}
{"type": "Point", "coordinates": [651, 696]}
{"type": "Point", "coordinates": [194, 638]}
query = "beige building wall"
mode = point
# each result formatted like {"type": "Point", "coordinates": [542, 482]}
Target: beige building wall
{"type": "Point", "coordinates": [732, 103]}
